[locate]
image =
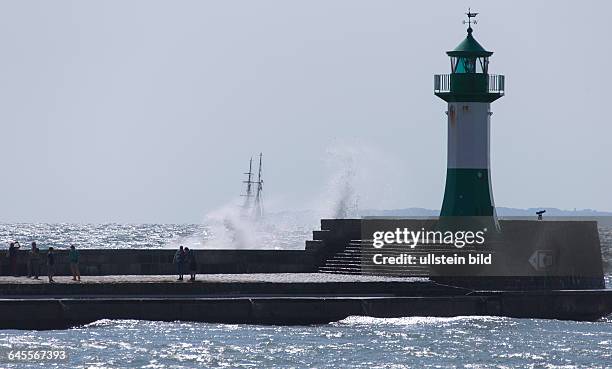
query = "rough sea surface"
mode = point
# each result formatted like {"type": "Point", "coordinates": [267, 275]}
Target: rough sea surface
{"type": "Point", "coordinates": [461, 342]}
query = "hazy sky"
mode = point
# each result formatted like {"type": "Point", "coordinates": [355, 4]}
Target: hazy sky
{"type": "Point", "coordinates": [147, 111]}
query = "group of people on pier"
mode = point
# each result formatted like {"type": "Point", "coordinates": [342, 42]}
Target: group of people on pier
{"type": "Point", "coordinates": [34, 261]}
{"type": "Point", "coordinates": [185, 257]}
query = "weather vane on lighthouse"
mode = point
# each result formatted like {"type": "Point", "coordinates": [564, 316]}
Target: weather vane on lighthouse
{"type": "Point", "coordinates": [469, 21]}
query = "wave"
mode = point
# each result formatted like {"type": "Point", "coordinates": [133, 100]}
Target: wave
{"type": "Point", "coordinates": [407, 321]}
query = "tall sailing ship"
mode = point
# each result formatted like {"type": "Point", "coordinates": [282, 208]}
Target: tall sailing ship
{"type": "Point", "coordinates": [253, 202]}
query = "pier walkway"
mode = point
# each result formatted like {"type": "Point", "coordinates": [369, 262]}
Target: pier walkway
{"type": "Point", "coordinates": [214, 278]}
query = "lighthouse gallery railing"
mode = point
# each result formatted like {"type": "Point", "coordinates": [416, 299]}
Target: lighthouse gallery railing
{"type": "Point", "coordinates": [494, 82]}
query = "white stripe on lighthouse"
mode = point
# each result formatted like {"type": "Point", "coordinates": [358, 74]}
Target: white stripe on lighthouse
{"type": "Point", "coordinates": [468, 135]}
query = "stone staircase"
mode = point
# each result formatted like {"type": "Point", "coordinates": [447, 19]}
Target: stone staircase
{"type": "Point", "coordinates": [339, 249]}
{"type": "Point", "coordinates": [353, 259]}
{"type": "Point", "coordinates": [356, 258]}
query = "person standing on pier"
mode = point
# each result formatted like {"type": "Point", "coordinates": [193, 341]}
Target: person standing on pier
{"type": "Point", "coordinates": [73, 257]}
{"type": "Point", "coordinates": [34, 261]}
{"type": "Point", "coordinates": [191, 263]}
{"type": "Point", "coordinates": [179, 260]}
{"type": "Point", "coordinates": [50, 264]}
{"type": "Point", "coordinates": [12, 254]}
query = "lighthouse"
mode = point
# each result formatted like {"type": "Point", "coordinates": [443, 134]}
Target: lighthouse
{"type": "Point", "coordinates": [469, 90]}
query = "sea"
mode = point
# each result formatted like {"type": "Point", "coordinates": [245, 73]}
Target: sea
{"type": "Point", "coordinates": [359, 342]}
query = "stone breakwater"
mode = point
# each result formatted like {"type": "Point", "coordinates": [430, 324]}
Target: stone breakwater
{"type": "Point", "coordinates": [300, 298]}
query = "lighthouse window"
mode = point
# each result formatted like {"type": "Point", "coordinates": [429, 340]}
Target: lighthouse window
{"type": "Point", "coordinates": [465, 65]}
{"type": "Point", "coordinates": [482, 66]}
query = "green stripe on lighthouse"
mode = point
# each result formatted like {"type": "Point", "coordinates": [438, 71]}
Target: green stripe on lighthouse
{"type": "Point", "coordinates": [467, 193]}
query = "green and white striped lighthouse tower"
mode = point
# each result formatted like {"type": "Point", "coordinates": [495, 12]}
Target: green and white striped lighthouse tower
{"type": "Point", "coordinates": [469, 91]}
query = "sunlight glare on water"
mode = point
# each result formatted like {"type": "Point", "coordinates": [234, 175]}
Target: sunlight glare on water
{"type": "Point", "coordinates": [364, 342]}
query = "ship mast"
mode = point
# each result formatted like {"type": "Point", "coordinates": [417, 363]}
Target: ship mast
{"type": "Point", "coordinates": [249, 182]}
{"type": "Point", "coordinates": [258, 196]}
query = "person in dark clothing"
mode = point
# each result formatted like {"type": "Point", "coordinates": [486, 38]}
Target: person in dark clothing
{"type": "Point", "coordinates": [29, 262]}
{"type": "Point", "coordinates": [50, 264]}
{"type": "Point", "coordinates": [191, 264]}
{"type": "Point", "coordinates": [73, 256]}
{"type": "Point", "coordinates": [12, 254]}
{"type": "Point", "coordinates": [179, 260]}
{"type": "Point", "coordinates": [34, 261]}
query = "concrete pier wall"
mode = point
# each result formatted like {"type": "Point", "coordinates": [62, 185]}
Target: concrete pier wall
{"type": "Point", "coordinates": [65, 312]}
{"type": "Point", "coordinates": [298, 298]}
{"type": "Point", "coordinates": [159, 262]}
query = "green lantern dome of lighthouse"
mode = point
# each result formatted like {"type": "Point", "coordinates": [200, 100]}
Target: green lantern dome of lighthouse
{"type": "Point", "coordinates": [469, 47]}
